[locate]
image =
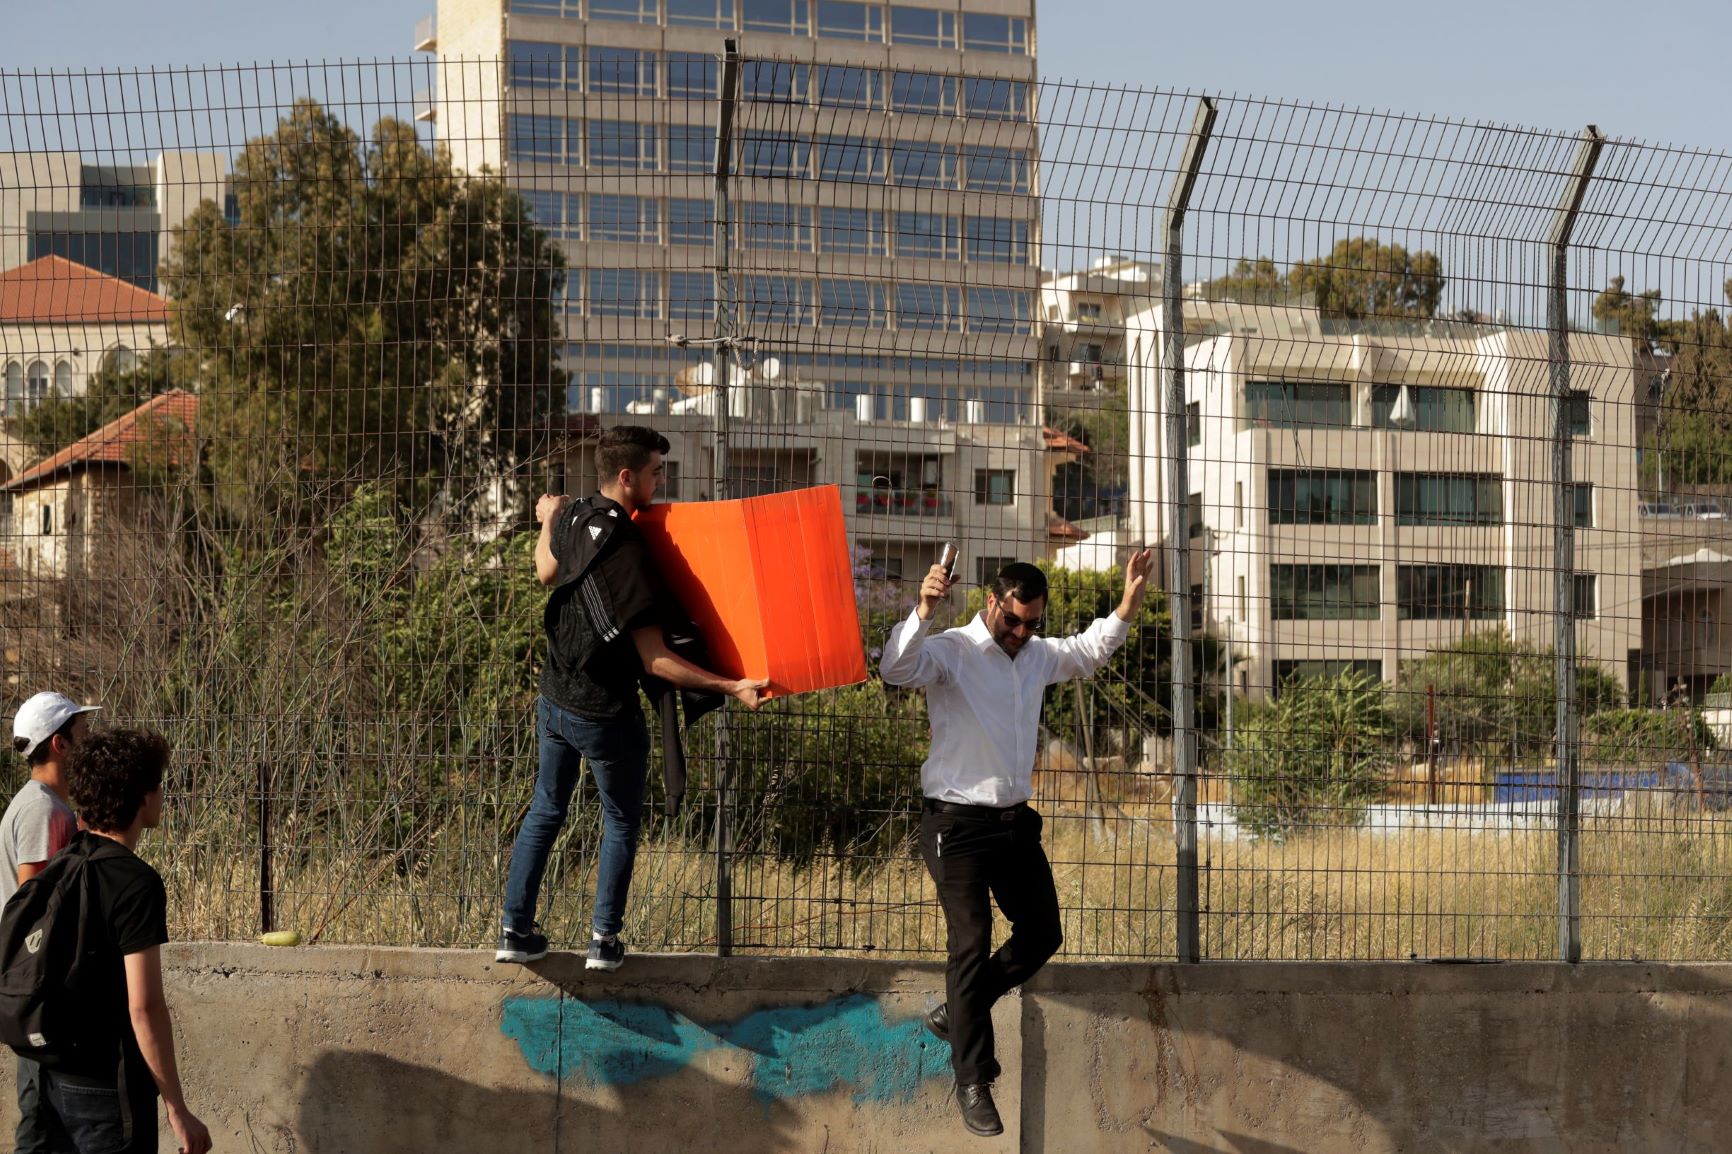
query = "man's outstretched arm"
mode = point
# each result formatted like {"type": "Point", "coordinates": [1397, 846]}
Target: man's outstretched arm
{"type": "Point", "coordinates": [1082, 654]}
{"type": "Point", "coordinates": [907, 661]}
{"type": "Point", "coordinates": [661, 661]}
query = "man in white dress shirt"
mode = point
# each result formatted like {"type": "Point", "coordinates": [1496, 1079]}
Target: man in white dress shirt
{"type": "Point", "coordinates": [984, 683]}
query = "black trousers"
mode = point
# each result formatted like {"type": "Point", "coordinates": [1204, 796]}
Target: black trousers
{"type": "Point", "coordinates": [976, 856]}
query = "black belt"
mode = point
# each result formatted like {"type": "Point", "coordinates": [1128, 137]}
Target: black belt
{"type": "Point", "coordinates": [977, 812]}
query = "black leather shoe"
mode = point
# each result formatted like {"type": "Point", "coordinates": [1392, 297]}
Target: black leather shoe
{"type": "Point", "coordinates": [978, 1112]}
{"type": "Point", "coordinates": [938, 1020]}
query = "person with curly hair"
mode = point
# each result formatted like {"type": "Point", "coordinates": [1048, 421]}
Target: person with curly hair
{"type": "Point", "coordinates": [115, 780]}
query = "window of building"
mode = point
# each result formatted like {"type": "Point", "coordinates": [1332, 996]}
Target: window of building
{"type": "Point", "coordinates": [47, 519]}
{"type": "Point", "coordinates": [850, 158]}
{"type": "Point", "coordinates": [1582, 504]}
{"type": "Point", "coordinates": [787, 17]}
{"type": "Point", "coordinates": [998, 310]}
{"type": "Point", "coordinates": [984, 33]}
{"type": "Point", "coordinates": [987, 569]}
{"type": "Point", "coordinates": [1433, 410]}
{"type": "Point", "coordinates": [856, 303]}
{"type": "Point", "coordinates": [1578, 413]}
{"type": "Point", "coordinates": [1239, 506]}
{"type": "Point", "coordinates": [922, 165]}
{"type": "Point", "coordinates": [1086, 311]}
{"type": "Point", "coordinates": [776, 227]}
{"type": "Point", "coordinates": [1297, 405]}
{"type": "Point", "coordinates": [997, 239]}
{"type": "Point", "coordinates": [927, 27]}
{"type": "Point", "coordinates": [1324, 592]}
{"type": "Point", "coordinates": [1244, 602]}
{"type": "Point", "coordinates": [928, 307]}
{"type": "Point", "coordinates": [1448, 499]}
{"type": "Point", "coordinates": [669, 490]}
{"type": "Point", "coordinates": [691, 296]}
{"type": "Point", "coordinates": [1194, 424]}
{"type": "Point", "coordinates": [858, 231]}
{"type": "Point", "coordinates": [766, 154]}
{"type": "Point", "coordinates": [559, 214]}
{"type": "Point", "coordinates": [1287, 672]}
{"type": "Point", "coordinates": [35, 384]}
{"type": "Point", "coordinates": [844, 20]}
{"type": "Point", "coordinates": [623, 11]}
{"type": "Point", "coordinates": [923, 92]}
{"type": "Point", "coordinates": [782, 300]}
{"type": "Point", "coordinates": [542, 138]}
{"type": "Point", "coordinates": [928, 235]}
{"type": "Point", "coordinates": [1194, 527]}
{"type": "Point", "coordinates": [130, 256]}
{"type": "Point", "coordinates": [692, 76]}
{"type": "Point", "coordinates": [530, 64]}
{"type": "Point", "coordinates": [775, 82]}
{"type": "Point", "coordinates": [691, 148]}
{"type": "Point", "coordinates": [622, 144]}
{"type": "Point", "coordinates": [986, 98]}
{"type": "Point", "coordinates": [691, 221]}
{"type": "Point", "coordinates": [1585, 596]}
{"type": "Point", "coordinates": [621, 72]}
{"type": "Point", "coordinates": [1322, 497]}
{"type": "Point", "coordinates": [994, 486]}
{"type": "Point", "coordinates": [843, 87]}
{"type": "Point", "coordinates": [995, 169]}
{"type": "Point", "coordinates": [633, 219]}
{"type": "Point", "coordinates": [1449, 592]}
{"type": "Point", "coordinates": [700, 13]}
{"type": "Point", "coordinates": [63, 378]}
{"type": "Point", "coordinates": [120, 359]}
{"type": "Point", "coordinates": [545, 7]}
{"type": "Point", "coordinates": [623, 292]}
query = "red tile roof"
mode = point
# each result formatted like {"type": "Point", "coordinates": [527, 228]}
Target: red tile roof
{"type": "Point", "coordinates": [54, 290]}
{"type": "Point", "coordinates": [165, 422]}
{"type": "Point", "coordinates": [1058, 529]}
{"type": "Point", "coordinates": [1062, 442]}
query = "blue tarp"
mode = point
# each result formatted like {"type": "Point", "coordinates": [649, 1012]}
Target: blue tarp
{"type": "Point", "coordinates": [1517, 786]}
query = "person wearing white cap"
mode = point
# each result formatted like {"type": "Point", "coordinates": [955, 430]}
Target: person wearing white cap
{"type": "Point", "coordinates": [37, 825]}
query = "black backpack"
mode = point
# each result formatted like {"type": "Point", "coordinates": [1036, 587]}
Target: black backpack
{"type": "Point", "coordinates": [53, 948]}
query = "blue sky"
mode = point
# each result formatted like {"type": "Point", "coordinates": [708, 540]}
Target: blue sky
{"type": "Point", "coordinates": [1661, 78]}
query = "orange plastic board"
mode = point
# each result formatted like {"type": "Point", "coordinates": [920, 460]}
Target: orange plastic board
{"type": "Point", "coordinates": [768, 582]}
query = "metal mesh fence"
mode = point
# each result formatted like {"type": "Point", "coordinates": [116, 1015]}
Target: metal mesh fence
{"type": "Point", "coordinates": [289, 352]}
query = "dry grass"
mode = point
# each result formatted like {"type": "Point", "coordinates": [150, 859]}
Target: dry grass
{"type": "Point", "coordinates": [1657, 884]}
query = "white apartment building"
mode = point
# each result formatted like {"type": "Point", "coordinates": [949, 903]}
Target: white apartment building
{"type": "Point", "coordinates": [1361, 496]}
{"type": "Point", "coordinates": [885, 241]}
{"type": "Point", "coordinates": [1083, 316]}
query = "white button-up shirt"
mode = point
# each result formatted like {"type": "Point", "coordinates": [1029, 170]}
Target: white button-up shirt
{"type": "Point", "coordinates": [984, 706]}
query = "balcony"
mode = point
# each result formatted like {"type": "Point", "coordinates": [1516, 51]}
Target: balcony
{"type": "Point", "coordinates": [426, 38]}
{"type": "Point", "coordinates": [426, 107]}
{"type": "Point", "coordinates": [887, 502]}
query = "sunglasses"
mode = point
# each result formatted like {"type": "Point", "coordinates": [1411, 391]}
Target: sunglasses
{"type": "Point", "coordinates": [1032, 624]}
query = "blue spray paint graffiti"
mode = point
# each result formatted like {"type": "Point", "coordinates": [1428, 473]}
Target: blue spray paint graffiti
{"type": "Point", "coordinates": [793, 1050]}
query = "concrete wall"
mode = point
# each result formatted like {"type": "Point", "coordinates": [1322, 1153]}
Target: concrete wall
{"type": "Point", "coordinates": [385, 1051]}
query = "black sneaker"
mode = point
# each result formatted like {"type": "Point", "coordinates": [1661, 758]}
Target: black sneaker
{"type": "Point", "coordinates": [938, 1020]}
{"type": "Point", "coordinates": [530, 947]}
{"type": "Point", "coordinates": [978, 1112]}
{"type": "Point", "coordinates": [605, 954]}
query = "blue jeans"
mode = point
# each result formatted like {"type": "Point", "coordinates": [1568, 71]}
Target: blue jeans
{"type": "Point", "coordinates": [86, 1116]}
{"type": "Point", "coordinates": [618, 756]}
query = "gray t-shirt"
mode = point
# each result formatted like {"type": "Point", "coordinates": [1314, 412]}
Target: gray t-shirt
{"type": "Point", "coordinates": [37, 825]}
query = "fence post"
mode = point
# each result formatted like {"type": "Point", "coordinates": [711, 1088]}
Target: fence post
{"type": "Point", "coordinates": [1177, 490]}
{"type": "Point", "coordinates": [721, 351]}
{"type": "Point", "coordinates": [1566, 738]}
{"type": "Point", "coordinates": [267, 900]}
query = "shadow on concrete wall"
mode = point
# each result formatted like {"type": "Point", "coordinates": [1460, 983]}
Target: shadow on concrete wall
{"type": "Point", "coordinates": [359, 1102]}
{"type": "Point", "coordinates": [1523, 1056]}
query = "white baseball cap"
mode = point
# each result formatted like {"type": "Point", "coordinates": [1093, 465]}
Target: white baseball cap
{"type": "Point", "coordinates": [41, 717]}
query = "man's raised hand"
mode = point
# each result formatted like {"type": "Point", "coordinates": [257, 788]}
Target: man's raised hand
{"type": "Point", "coordinates": [549, 506]}
{"type": "Point", "coordinates": [1137, 570]}
{"type": "Point", "coordinates": [935, 588]}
